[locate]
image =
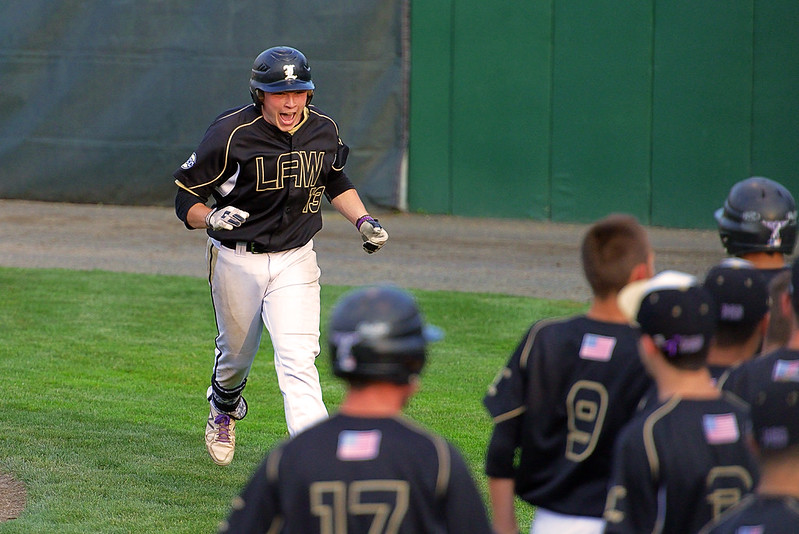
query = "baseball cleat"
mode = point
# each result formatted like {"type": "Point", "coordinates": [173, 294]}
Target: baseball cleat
{"type": "Point", "coordinates": [220, 437]}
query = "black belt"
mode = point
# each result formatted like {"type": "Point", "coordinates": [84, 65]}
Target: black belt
{"type": "Point", "coordinates": [250, 246]}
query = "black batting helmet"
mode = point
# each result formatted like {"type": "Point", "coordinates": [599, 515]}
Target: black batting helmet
{"type": "Point", "coordinates": [377, 333]}
{"type": "Point", "coordinates": [759, 215]}
{"type": "Point", "coordinates": [278, 69]}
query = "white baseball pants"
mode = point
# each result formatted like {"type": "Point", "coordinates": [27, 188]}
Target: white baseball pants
{"type": "Point", "coordinates": [281, 292]}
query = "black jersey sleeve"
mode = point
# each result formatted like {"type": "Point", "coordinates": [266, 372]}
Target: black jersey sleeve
{"type": "Point", "coordinates": [257, 508]}
{"type": "Point", "coordinates": [505, 398]}
{"type": "Point", "coordinates": [502, 448]}
{"type": "Point", "coordinates": [632, 494]}
{"type": "Point", "coordinates": [463, 505]}
{"type": "Point", "coordinates": [337, 183]}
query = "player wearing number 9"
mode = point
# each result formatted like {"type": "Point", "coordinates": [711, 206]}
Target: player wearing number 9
{"type": "Point", "coordinates": [567, 390]}
{"type": "Point", "coordinates": [366, 469]}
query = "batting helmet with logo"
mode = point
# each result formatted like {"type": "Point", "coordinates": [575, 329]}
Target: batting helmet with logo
{"type": "Point", "coordinates": [278, 69]}
{"type": "Point", "coordinates": [759, 215]}
{"type": "Point", "coordinates": [377, 333]}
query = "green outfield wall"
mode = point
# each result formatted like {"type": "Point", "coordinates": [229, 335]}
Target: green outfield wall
{"type": "Point", "coordinates": [566, 110]}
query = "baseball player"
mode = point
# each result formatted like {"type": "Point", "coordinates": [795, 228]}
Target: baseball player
{"type": "Point", "coordinates": [366, 469]}
{"type": "Point", "coordinates": [686, 460]}
{"type": "Point", "coordinates": [774, 508]}
{"type": "Point", "coordinates": [267, 165]}
{"type": "Point", "coordinates": [741, 301]}
{"type": "Point", "coordinates": [745, 379]}
{"type": "Point", "coordinates": [778, 330]}
{"type": "Point", "coordinates": [566, 391]}
{"type": "Point", "coordinates": [758, 223]}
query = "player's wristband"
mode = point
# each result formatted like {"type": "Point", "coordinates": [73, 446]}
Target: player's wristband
{"type": "Point", "coordinates": [362, 220]}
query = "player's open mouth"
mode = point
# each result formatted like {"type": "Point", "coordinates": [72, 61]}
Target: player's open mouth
{"type": "Point", "coordinates": [287, 118]}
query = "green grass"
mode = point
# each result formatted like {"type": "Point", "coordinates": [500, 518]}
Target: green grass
{"type": "Point", "coordinates": [103, 376]}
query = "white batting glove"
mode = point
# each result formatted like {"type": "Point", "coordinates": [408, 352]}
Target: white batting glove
{"type": "Point", "coordinates": [374, 236]}
{"type": "Point", "coordinates": [225, 218]}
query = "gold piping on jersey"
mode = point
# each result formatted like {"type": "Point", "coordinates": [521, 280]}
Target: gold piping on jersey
{"type": "Point", "coordinates": [304, 118]}
{"type": "Point", "coordinates": [442, 484]}
{"type": "Point", "coordinates": [510, 415]}
{"type": "Point", "coordinates": [273, 464]}
{"type": "Point", "coordinates": [227, 150]}
{"type": "Point", "coordinates": [337, 133]}
{"type": "Point", "coordinates": [444, 461]}
{"type": "Point", "coordinates": [649, 438]}
{"type": "Point", "coordinates": [528, 345]}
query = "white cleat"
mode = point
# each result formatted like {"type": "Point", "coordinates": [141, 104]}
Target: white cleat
{"type": "Point", "coordinates": [220, 437]}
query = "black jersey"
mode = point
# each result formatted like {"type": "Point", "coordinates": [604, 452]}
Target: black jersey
{"type": "Point", "coordinates": [567, 390]}
{"type": "Point", "coordinates": [759, 514]}
{"type": "Point", "coordinates": [679, 466]}
{"type": "Point", "coordinates": [356, 475]}
{"type": "Point", "coordinates": [781, 364]}
{"type": "Point", "coordinates": [278, 177]}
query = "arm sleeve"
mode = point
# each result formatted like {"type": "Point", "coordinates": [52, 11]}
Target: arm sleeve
{"type": "Point", "coordinates": [183, 202]}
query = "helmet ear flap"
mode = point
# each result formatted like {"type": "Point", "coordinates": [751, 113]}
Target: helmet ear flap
{"type": "Point", "coordinates": [257, 97]}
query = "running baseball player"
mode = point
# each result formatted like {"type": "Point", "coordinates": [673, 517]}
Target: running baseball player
{"type": "Point", "coordinates": [686, 460]}
{"type": "Point", "coordinates": [367, 469]}
{"type": "Point", "coordinates": [567, 390]}
{"type": "Point", "coordinates": [267, 166]}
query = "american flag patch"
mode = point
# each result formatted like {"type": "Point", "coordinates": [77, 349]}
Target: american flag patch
{"type": "Point", "coordinates": [786, 371]}
{"type": "Point", "coordinates": [358, 445]}
{"type": "Point", "coordinates": [720, 428]}
{"type": "Point", "coordinates": [596, 347]}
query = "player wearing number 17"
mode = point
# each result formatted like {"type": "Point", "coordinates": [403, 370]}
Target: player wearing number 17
{"type": "Point", "coordinates": [567, 390]}
{"type": "Point", "coordinates": [367, 469]}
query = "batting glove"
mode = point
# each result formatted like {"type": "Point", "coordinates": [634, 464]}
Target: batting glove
{"type": "Point", "coordinates": [374, 236]}
{"type": "Point", "coordinates": [226, 218]}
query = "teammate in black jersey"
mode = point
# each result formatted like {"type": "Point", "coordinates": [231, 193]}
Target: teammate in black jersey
{"type": "Point", "coordinates": [268, 165]}
{"type": "Point", "coordinates": [741, 300]}
{"type": "Point", "coordinates": [367, 469]}
{"type": "Point", "coordinates": [746, 379]}
{"type": "Point", "coordinates": [684, 461]}
{"type": "Point", "coordinates": [774, 508]}
{"type": "Point", "coordinates": [779, 322]}
{"type": "Point", "coordinates": [770, 384]}
{"type": "Point", "coordinates": [568, 388]}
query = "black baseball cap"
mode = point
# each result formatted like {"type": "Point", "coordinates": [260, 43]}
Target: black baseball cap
{"type": "Point", "coordinates": [739, 290]}
{"type": "Point", "coordinates": [673, 309]}
{"type": "Point", "coordinates": [775, 406]}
